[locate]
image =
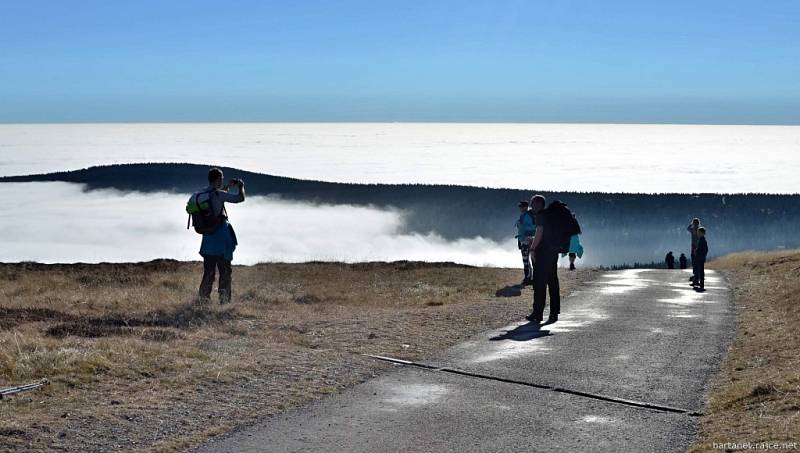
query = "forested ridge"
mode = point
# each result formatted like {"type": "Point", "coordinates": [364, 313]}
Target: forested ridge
{"type": "Point", "coordinates": [617, 227]}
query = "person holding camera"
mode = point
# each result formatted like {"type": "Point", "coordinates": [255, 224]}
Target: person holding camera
{"type": "Point", "coordinates": [218, 246]}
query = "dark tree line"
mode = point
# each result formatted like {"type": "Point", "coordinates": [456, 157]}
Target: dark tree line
{"type": "Point", "coordinates": [617, 227]}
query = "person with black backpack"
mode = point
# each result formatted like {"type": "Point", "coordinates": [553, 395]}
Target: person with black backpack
{"type": "Point", "coordinates": [555, 226]}
{"type": "Point", "coordinates": [207, 212]}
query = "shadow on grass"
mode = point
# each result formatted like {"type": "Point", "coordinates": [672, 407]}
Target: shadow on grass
{"type": "Point", "coordinates": [11, 317]}
{"type": "Point", "coordinates": [509, 291]}
{"type": "Point", "coordinates": [155, 325]}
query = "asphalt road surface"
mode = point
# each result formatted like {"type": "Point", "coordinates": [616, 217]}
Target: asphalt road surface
{"type": "Point", "coordinates": [625, 368]}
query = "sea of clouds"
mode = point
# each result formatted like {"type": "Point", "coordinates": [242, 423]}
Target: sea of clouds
{"type": "Point", "coordinates": [545, 157]}
{"type": "Point", "coordinates": [63, 222]}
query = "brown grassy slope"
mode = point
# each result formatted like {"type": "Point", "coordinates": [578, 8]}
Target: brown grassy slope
{"type": "Point", "coordinates": [135, 365]}
{"type": "Point", "coordinates": [756, 397]}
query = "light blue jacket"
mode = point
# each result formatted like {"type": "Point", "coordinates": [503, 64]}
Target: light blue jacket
{"type": "Point", "coordinates": [575, 246]}
{"type": "Point", "coordinates": [222, 242]}
{"type": "Point", "coordinates": [525, 226]}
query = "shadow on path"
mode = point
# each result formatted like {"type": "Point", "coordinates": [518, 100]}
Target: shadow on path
{"type": "Point", "coordinates": [525, 332]}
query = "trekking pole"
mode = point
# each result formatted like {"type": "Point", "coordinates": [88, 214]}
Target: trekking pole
{"type": "Point", "coordinates": [22, 388]}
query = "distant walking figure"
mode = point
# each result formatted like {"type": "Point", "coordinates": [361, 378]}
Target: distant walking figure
{"type": "Point", "coordinates": [700, 259]}
{"type": "Point", "coordinates": [682, 260]}
{"type": "Point", "coordinates": [670, 260]}
{"type": "Point", "coordinates": [525, 232]}
{"type": "Point", "coordinates": [219, 239]}
{"type": "Point", "coordinates": [575, 250]}
{"type": "Point", "coordinates": [692, 229]}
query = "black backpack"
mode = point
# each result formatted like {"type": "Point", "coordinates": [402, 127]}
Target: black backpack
{"type": "Point", "coordinates": [565, 224]}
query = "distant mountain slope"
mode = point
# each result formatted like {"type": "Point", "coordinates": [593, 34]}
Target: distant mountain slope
{"type": "Point", "coordinates": [617, 227]}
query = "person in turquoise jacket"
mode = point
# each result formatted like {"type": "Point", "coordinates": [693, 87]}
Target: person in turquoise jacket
{"type": "Point", "coordinates": [526, 228]}
{"type": "Point", "coordinates": [575, 249]}
{"type": "Point", "coordinates": [218, 246]}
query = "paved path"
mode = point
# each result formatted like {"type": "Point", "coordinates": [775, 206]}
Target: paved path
{"type": "Point", "coordinates": [634, 336]}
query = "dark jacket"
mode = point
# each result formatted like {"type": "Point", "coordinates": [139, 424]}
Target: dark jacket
{"type": "Point", "coordinates": [702, 248]}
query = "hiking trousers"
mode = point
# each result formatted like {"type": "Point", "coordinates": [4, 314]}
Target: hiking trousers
{"type": "Point", "coordinates": [525, 249]}
{"type": "Point", "coordinates": [545, 279]}
{"type": "Point", "coordinates": [700, 271]}
{"type": "Point", "coordinates": [210, 266]}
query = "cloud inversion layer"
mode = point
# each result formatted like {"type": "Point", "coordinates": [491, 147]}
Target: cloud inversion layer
{"type": "Point", "coordinates": [60, 222]}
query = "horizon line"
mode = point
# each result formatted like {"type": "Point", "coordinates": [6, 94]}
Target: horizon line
{"type": "Point", "coordinates": [587, 123]}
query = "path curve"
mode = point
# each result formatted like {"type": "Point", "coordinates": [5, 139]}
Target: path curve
{"type": "Point", "coordinates": [635, 335]}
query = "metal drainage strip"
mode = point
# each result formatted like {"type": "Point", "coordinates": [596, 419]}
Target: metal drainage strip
{"type": "Point", "coordinates": [610, 399]}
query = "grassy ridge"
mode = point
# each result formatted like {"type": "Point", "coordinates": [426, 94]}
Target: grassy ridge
{"type": "Point", "coordinates": [756, 397]}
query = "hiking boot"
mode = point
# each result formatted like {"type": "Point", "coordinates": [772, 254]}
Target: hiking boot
{"type": "Point", "coordinates": [532, 318]}
{"type": "Point", "coordinates": [526, 282]}
{"type": "Point", "coordinates": [224, 297]}
{"type": "Point", "coordinates": [572, 266]}
{"type": "Point", "coordinates": [552, 319]}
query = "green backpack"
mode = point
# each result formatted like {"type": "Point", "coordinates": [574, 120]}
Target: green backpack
{"type": "Point", "coordinates": [201, 215]}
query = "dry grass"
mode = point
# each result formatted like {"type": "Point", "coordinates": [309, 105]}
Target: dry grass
{"type": "Point", "coordinates": [135, 364]}
{"type": "Point", "coordinates": [756, 397]}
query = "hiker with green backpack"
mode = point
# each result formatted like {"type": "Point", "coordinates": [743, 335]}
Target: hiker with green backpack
{"type": "Point", "coordinates": [207, 213]}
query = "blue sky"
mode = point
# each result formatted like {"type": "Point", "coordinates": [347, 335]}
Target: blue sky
{"type": "Point", "coordinates": [734, 62]}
